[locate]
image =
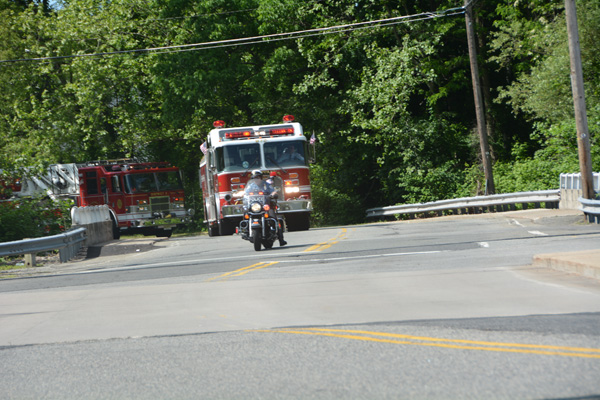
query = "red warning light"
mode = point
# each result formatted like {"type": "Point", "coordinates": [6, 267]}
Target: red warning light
{"type": "Point", "coordinates": [283, 131]}
{"type": "Point", "coordinates": [219, 124]}
{"type": "Point", "coordinates": [288, 118]}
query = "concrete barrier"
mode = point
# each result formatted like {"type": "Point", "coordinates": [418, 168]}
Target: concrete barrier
{"type": "Point", "coordinates": [97, 221]}
{"type": "Point", "coordinates": [570, 190]}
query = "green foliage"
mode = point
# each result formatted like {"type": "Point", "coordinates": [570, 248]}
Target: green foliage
{"type": "Point", "coordinates": [542, 90]}
{"type": "Point", "coordinates": [331, 205]}
{"type": "Point", "coordinates": [30, 218]}
{"type": "Point", "coordinates": [391, 107]}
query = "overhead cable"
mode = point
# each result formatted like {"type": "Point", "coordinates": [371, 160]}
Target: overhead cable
{"type": "Point", "coordinates": [262, 38]}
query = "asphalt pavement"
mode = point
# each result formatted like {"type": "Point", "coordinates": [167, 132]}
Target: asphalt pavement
{"type": "Point", "coordinates": [584, 263]}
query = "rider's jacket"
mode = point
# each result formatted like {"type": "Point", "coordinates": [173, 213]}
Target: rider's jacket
{"type": "Point", "coordinates": [257, 190]}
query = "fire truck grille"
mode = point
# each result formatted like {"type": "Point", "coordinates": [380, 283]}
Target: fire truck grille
{"type": "Point", "coordinates": [159, 204]}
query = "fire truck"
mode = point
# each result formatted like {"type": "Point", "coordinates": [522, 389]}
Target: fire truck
{"type": "Point", "coordinates": [231, 154]}
{"type": "Point", "coordinates": [143, 197]}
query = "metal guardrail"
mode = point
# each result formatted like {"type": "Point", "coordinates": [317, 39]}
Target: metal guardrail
{"type": "Point", "coordinates": [68, 243]}
{"type": "Point", "coordinates": [591, 209]}
{"type": "Point", "coordinates": [472, 205]}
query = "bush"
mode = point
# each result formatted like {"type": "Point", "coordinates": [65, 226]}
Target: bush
{"type": "Point", "coordinates": [29, 218]}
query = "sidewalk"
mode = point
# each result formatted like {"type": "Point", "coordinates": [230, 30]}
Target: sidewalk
{"type": "Point", "coordinates": [584, 263]}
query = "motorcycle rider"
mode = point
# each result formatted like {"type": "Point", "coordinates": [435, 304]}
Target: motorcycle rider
{"type": "Point", "coordinates": [257, 184]}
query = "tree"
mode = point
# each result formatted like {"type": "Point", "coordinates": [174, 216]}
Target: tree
{"type": "Point", "coordinates": [541, 90]}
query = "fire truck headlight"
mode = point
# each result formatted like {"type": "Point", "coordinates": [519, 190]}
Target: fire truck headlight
{"type": "Point", "coordinates": [178, 203]}
{"type": "Point", "coordinates": [255, 207]}
{"type": "Point", "coordinates": [292, 189]}
{"type": "Point", "coordinates": [143, 205]}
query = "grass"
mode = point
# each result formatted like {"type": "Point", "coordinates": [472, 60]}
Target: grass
{"type": "Point", "coordinates": [8, 267]}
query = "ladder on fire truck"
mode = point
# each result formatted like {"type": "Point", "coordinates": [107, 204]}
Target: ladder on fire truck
{"type": "Point", "coordinates": [59, 180]}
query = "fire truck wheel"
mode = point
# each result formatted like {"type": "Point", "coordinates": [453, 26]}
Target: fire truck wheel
{"type": "Point", "coordinates": [226, 228]}
{"type": "Point", "coordinates": [115, 230]}
{"type": "Point", "coordinates": [166, 233]}
{"type": "Point", "coordinates": [299, 222]}
{"type": "Point", "coordinates": [212, 230]}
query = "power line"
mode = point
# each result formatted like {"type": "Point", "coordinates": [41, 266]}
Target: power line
{"type": "Point", "coordinates": [258, 40]}
{"type": "Point", "coordinates": [262, 38]}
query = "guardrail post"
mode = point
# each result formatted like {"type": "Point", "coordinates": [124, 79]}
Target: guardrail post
{"type": "Point", "coordinates": [30, 260]}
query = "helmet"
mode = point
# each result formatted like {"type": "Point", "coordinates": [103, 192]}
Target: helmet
{"type": "Point", "coordinates": [256, 174]}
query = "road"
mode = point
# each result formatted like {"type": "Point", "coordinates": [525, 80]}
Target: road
{"type": "Point", "coordinates": [441, 308]}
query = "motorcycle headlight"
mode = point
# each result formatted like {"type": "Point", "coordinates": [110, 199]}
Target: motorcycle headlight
{"type": "Point", "coordinates": [255, 207]}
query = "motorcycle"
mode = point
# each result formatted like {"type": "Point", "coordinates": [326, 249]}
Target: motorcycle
{"type": "Point", "coordinates": [260, 225]}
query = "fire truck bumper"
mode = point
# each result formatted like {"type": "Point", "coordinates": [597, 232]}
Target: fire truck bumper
{"type": "Point", "coordinates": [286, 206]}
{"type": "Point", "coordinates": [290, 206]}
{"type": "Point", "coordinates": [167, 222]}
{"type": "Point", "coordinates": [233, 211]}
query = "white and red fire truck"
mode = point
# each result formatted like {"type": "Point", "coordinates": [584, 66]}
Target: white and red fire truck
{"type": "Point", "coordinates": [231, 154]}
{"type": "Point", "coordinates": [143, 197]}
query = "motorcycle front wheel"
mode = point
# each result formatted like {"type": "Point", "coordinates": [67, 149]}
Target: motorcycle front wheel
{"type": "Point", "coordinates": [256, 239]}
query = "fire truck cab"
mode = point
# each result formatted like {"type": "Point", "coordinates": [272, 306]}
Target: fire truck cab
{"type": "Point", "coordinates": [230, 154]}
{"type": "Point", "coordinates": [143, 197]}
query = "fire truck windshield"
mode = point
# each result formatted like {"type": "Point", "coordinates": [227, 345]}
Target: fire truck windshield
{"type": "Point", "coordinates": [238, 157]}
{"type": "Point", "coordinates": [285, 154]}
{"type": "Point", "coordinates": [152, 182]}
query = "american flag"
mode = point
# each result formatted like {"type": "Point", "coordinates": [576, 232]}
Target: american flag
{"type": "Point", "coordinates": [203, 148]}
{"type": "Point", "coordinates": [313, 139]}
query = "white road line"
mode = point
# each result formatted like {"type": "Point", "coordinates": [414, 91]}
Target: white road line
{"type": "Point", "coordinates": [538, 233]}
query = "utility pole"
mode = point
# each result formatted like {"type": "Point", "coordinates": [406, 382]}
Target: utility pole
{"type": "Point", "coordinates": [479, 109]}
{"type": "Point", "coordinates": [581, 123]}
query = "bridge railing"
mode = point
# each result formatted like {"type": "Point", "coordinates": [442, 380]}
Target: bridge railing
{"type": "Point", "coordinates": [472, 205]}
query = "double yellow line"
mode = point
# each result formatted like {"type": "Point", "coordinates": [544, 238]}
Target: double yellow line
{"type": "Point", "coordinates": [394, 338]}
{"type": "Point", "coordinates": [329, 243]}
{"type": "Point", "coordinates": [260, 265]}
{"type": "Point", "coordinates": [242, 271]}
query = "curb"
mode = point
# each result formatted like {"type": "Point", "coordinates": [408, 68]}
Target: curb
{"type": "Point", "coordinates": [584, 263]}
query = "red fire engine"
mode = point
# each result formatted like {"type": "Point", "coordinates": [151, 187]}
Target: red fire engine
{"type": "Point", "coordinates": [230, 154]}
{"type": "Point", "coordinates": [142, 197]}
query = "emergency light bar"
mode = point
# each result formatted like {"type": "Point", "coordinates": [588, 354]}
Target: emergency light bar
{"type": "Point", "coordinates": [238, 134]}
{"type": "Point", "coordinates": [257, 132]}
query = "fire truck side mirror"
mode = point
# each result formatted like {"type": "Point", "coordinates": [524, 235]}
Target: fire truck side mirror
{"type": "Point", "coordinates": [211, 160]}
